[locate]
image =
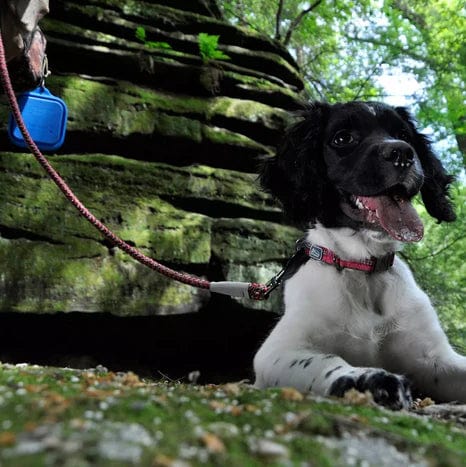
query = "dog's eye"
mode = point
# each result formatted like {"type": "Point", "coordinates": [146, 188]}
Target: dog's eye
{"type": "Point", "coordinates": [343, 138]}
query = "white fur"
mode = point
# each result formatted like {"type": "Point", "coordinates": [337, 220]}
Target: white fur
{"type": "Point", "coordinates": [366, 321]}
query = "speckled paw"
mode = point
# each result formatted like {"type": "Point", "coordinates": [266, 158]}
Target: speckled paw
{"type": "Point", "coordinates": [388, 389]}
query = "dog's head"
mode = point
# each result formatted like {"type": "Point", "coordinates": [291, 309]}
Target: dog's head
{"type": "Point", "coordinates": [358, 165]}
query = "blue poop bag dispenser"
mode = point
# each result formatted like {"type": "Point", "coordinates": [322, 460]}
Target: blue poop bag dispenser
{"type": "Point", "coordinates": [45, 116]}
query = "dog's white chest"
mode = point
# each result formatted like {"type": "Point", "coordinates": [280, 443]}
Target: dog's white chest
{"type": "Point", "coordinates": [343, 312]}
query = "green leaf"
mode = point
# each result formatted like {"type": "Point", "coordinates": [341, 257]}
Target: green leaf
{"type": "Point", "coordinates": [141, 34]}
{"type": "Point", "coordinates": [208, 47]}
{"type": "Point", "coordinates": [158, 45]}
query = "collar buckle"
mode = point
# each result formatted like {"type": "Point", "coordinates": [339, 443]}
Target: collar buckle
{"type": "Point", "coordinates": [316, 252]}
{"type": "Point", "coordinates": [384, 263]}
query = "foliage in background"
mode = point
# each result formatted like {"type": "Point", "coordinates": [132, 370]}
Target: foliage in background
{"type": "Point", "coordinates": [344, 47]}
{"type": "Point", "coordinates": [369, 49]}
{"type": "Point", "coordinates": [439, 266]}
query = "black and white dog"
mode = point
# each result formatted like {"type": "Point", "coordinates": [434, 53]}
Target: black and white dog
{"type": "Point", "coordinates": [349, 172]}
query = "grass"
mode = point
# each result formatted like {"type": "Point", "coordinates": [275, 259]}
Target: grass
{"type": "Point", "coordinates": [53, 416]}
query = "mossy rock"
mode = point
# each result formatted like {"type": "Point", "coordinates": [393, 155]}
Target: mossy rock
{"type": "Point", "coordinates": [117, 32]}
{"type": "Point", "coordinates": [36, 206]}
{"type": "Point", "coordinates": [200, 149]}
{"type": "Point", "coordinates": [143, 124]}
{"type": "Point", "coordinates": [164, 19]}
{"type": "Point", "coordinates": [253, 251]}
{"type": "Point", "coordinates": [249, 241]}
{"type": "Point", "coordinates": [56, 261]}
{"type": "Point", "coordinates": [42, 278]}
{"type": "Point", "coordinates": [103, 179]}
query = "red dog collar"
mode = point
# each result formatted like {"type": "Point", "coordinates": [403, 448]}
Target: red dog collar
{"type": "Point", "coordinates": [369, 265]}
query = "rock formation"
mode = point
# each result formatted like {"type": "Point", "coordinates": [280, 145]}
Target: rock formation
{"type": "Point", "coordinates": [163, 147]}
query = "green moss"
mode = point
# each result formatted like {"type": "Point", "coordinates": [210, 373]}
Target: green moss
{"type": "Point", "coordinates": [249, 241]}
{"type": "Point", "coordinates": [123, 109]}
{"type": "Point", "coordinates": [41, 277]}
{"type": "Point", "coordinates": [48, 278]}
{"type": "Point", "coordinates": [258, 84]}
{"type": "Point", "coordinates": [248, 110]}
{"type": "Point", "coordinates": [83, 410]}
{"type": "Point", "coordinates": [130, 289]}
{"type": "Point", "coordinates": [55, 260]}
{"type": "Point", "coordinates": [50, 25]}
{"type": "Point", "coordinates": [126, 199]}
{"type": "Point", "coordinates": [116, 176]}
{"type": "Point", "coordinates": [221, 136]}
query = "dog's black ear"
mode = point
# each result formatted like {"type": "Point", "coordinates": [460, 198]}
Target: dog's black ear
{"type": "Point", "coordinates": [296, 175]}
{"type": "Point", "coordinates": [434, 191]}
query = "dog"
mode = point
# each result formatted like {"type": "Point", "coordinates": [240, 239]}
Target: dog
{"type": "Point", "coordinates": [354, 316]}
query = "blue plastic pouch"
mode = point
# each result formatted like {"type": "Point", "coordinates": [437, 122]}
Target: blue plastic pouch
{"type": "Point", "coordinates": [45, 116]}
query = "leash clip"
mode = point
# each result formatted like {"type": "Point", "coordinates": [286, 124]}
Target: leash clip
{"type": "Point", "coordinates": [45, 71]}
{"type": "Point", "coordinates": [273, 283]}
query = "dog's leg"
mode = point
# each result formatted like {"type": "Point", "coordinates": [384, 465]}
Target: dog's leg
{"type": "Point", "coordinates": [286, 363]}
{"type": "Point", "coordinates": [442, 377]}
{"type": "Point", "coordinates": [424, 354]}
{"type": "Point", "coordinates": [419, 348]}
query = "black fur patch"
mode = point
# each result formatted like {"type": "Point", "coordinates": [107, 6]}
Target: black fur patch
{"type": "Point", "coordinates": [311, 175]}
{"type": "Point", "coordinates": [331, 371]}
{"type": "Point", "coordinates": [308, 362]}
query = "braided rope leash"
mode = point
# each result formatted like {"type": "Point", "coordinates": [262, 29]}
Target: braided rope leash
{"type": "Point", "coordinates": [234, 289]}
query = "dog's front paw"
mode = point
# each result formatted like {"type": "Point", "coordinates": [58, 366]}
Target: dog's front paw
{"type": "Point", "coordinates": [387, 389]}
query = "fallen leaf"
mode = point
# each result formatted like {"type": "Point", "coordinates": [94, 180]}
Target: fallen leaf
{"type": "Point", "coordinates": [7, 438]}
{"type": "Point", "coordinates": [132, 380]}
{"type": "Point", "coordinates": [217, 405]}
{"type": "Point", "coordinates": [233, 389]}
{"type": "Point", "coordinates": [353, 396]}
{"type": "Point", "coordinates": [34, 388]}
{"type": "Point", "coordinates": [30, 426]}
{"type": "Point", "coordinates": [291, 394]}
{"type": "Point", "coordinates": [213, 443]}
{"type": "Point", "coordinates": [236, 410]}
{"type": "Point", "coordinates": [163, 461]}
{"type": "Point", "coordinates": [421, 403]}
{"type": "Point", "coordinates": [251, 408]}
{"type": "Point", "coordinates": [98, 393]}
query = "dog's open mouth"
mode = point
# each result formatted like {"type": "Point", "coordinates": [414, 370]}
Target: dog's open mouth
{"type": "Point", "coordinates": [394, 214]}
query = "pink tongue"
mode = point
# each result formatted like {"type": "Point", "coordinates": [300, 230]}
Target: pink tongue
{"type": "Point", "coordinates": [398, 217]}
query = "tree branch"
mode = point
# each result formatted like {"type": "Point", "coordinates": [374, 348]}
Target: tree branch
{"type": "Point", "coordinates": [278, 19]}
{"type": "Point", "coordinates": [388, 45]}
{"type": "Point", "coordinates": [365, 81]}
{"type": "Point", "coordinates": [295, 23]}
{"type": "Point", "coordinates": [438, 252]}
{"type": "Point", "coordinates": [241, 18]}
{"type": "Point", "coordinates": [409, 14]}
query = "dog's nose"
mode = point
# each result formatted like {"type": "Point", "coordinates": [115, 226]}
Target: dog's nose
{"type": "Point", "coordinates": [398, 152]}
